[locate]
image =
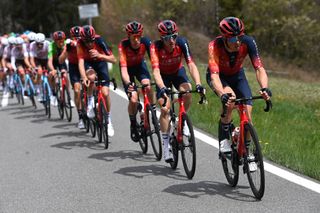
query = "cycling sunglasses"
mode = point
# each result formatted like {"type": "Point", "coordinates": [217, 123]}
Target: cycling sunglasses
{"type": "Point", "coordinates": [234, 39]}
{"type": "Point", "coordinates": [169, 37]}
{"type": "Point", "coordinates": [39, 43]}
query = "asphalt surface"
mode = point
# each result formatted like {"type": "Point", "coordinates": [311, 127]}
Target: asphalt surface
{"type": "Point", "coordinates": [51, 166]}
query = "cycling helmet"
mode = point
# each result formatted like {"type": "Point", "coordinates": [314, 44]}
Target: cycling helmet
{"type": "Point", "coordinates": [167, 27]}
{"type": "Point", "coordinates": [59, 35]}
{"type": "Point", "coordinates": [75, 32]}
{"type": "Point", "coordinates": [12, 40]}
{"type": "Point", "coordinates": [4, 41]}
{"type": "Point", "coordinates": [231, 26]}
{"type": "Point", "coordinates": [134, 27]}
{"type": "Point", "coordinates": [19, 40]}
{"type": "Point", "coordinates": [40, 38]}
{"type": "Point", "coordinates": [32, 36]}
{"type": "Point", "coordinates": [88, 33]}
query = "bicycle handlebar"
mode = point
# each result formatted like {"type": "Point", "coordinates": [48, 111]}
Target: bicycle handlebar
{"type": "Point", "coordinates": [113, 80]}
{"type": "Point", "coordinates": [243, 100]}
{"type": "Point", "coordinates": [203, 99]}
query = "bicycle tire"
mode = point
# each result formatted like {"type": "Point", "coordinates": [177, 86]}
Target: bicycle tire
{"type": "Point", "coordinates": [47, 102]}
{"type": "Point", "coordinates": [254, 149]}
{"type": "Point", "coordinates": [175, 151]}
{"type": "Point", "coordinates": [154, 132]}
{"type": "Point", "coordinates": [85, 119]}
{"type": "Point", "coordinates": [143, 139]}
{"type": "Point", "coordinates": [99, 124]}
{"type": "Point", "coordinates": [21, 96]}
{"type": "Point", "coordinates": [104, 128]}
{"type": "Point", "coordinates": [60, 101]}
{"type": "Point", "coordinates": [92, 127]}
{"type": "Point", "coordinates": [18, 94]}
{"type": "Point", "coordinates": [67, 105]}
{"type": "Point", "coordinates": [31, 95]}
{"type": "Point", "coordinates": [188, 145]}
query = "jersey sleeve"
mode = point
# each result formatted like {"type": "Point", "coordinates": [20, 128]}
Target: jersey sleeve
{"type": "Point", "coordinates": [183, 43]}
{"type": "Point", "coordinates": [254, 53]}
{"type": "Point", "coordinates": [103, 45]}
{"type": "Point", "coordinates": [213, 58]}
{"type": "Point", "coordinates": [122, 55]}
{"type": "Point", "coordinates": [154, 56]}
{"type": "Point", "coordinates": [50, 50]}
{"type": "Point", "coordinates": [147, 42]}
{"type": "Point", "coordinates": [25, 51]}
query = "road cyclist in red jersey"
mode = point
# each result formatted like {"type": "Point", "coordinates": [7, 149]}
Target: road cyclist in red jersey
{"type": "Point", "coordinates": [93, 53]}
{"type": "Point", "coordinates": [225, 74]}
{"type": "Point", "coordinates": [133, 66]}
{"type": "Point", "coordinates": [166, 59]}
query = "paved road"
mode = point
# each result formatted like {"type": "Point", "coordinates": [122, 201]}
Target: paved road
{"type": "Point", "coordinates": [51, 166]}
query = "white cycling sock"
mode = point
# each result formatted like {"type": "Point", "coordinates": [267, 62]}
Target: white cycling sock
{"type": "Point", "coordinates": [165, 139]}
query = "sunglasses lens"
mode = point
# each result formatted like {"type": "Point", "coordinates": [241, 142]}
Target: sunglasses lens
{"type": "Point", "coordinates": [169, 37]}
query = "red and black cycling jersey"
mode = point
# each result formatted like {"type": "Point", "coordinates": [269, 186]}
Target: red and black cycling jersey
{"type": "Point", "coordinates": [72, 52]}
{"type": "Point", "coordinates": [170, 62]}
{"type": "Point", "coordinates": [132, 57]}
{"type": "Point", "coordinates": [229, 63]}
{"type": "Point", "coordinates": [99, 45]}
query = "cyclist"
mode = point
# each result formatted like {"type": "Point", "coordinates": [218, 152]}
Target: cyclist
{"type": "Point", "coordinates": [6, 63]}
{"type": "Point", "coordinates": [133, 65]}
{"type": "Point", "coordinates": [20, 58]}
{"type": "Point", "coordinates": [166, 60]}
{"type": "Point", "coordinates": [225, 74]}
{"type": "Point", "coordinates": [70, 52]}
{"type": "Point", "coordinates": [39, 58]}
{"type": "Point", "coordinates": [93, 53]}
{"type": "Point", "coordinates": [3, 43]}
{"type": "Point", "coordinates": [55, 50]}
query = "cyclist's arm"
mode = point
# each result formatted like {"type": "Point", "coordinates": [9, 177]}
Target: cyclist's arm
{"type": "Point", "coordinates": [217, 85]}
{"type": "Point", "coordinates": [82, 69]}
{"type": "Point", "coordinates": [108, 58]}
{"type": "Point", "coordinates": [64, 54]}
{"type": "Point", "coordinates": [155, 66]}
{"type": "Point", "coordinates": [123, 65]}
{"type": "Point", "coordinates": [50, 63]}
{"type": "Point", "coordinates": [262, 77]}
{"type": "Point", "coordinates": [194, 72]}
{"type": "Point", "coordinates": [13, 62]}
{"type": "Point", "coordinates": [158, 78]}
{"type": "Point", "coordinates": [32, 62]}
{"type": "Point", "coordinates": [3, 62]}
{"type": "Point", "coordinates": [26, 61]}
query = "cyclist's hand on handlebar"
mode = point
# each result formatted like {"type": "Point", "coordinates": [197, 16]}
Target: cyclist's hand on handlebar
{"type": "Point", "coordinates": [266, 93]}
{"type": "Point", "coordinates": [226, 99]}
{"type": "Point", "coordinates": [163, 92]}
{"type": "Point", "coordinates": [130, 87]}
{"type": "Point", "coordinates": [86, 81]}
{"type": "Point", "coordinates": [200, 89]}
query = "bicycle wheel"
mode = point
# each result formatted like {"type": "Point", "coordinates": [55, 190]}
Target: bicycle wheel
{"type": "Point", "coordinates": [175, 151]}
{"type": "Point", "coordinates": [31, 96]}
{"type": "Point", "coordinates": [104, 125]}
{"type": "Point", "coordinates": [188, 148]}
{"type": "Point", "coordinates": [99, 123]}
{"type": "Point", "coordinates": [230, 163]}
{"type": "Point", "coordinates": [18, 94]}
{"type": "Point", "coordinates": [154, 132]}
{"type": "Point", "coordinates": [92, 126]}
{"type": "Point", "coordinates": [143, 139]}
{"type": "Point", "coordinates": [85, 119]}
{"type": "Point", "coordinates": [47, 101]}
{"type": "Point", "coordinates": [60, 101]}
{"type": "Point", "coordinates": [67, 104]}
{"type": "Point", "coordinates": [255, 171]}
{"type": "Point", "coordinates": [21, 96]}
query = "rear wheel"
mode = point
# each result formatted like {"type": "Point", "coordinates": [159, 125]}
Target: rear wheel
{"type": "Point", "coordinates": [154, 132]}
{"type": "Point", "coordinates": [143, 139]}
{"type": "Point", "coordinates": [254, 163]}
{"type": "Point", "coordinates": [99, 122]}
{"type": "Point", "coordinates": [175, 151]}
{"type": "Point", "coordinates": [32, 94]}
{"type": "Point", "coordinates": [47, 101]}
{"type": "Point", "coordinates": [230, 162]}
{"type": "Point", "coordinates": [60, 100]}
{"type": "Point", "coordinates": [104, 127]}
{"type": "Point", "coordinates": [188, 149]}
{"type": "Point", "coordinates": [67, 104]}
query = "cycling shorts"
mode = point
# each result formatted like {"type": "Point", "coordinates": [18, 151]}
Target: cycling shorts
{"type": "Point", "coordinates": [101, 68]}
{"type": "Point", "coordinates": [74, 73]}
{"type": "Point", "coordinates": [174, 79]}
{"type": "Point", "coordinates": [59, 66]}
{"type": "Point", "coordinates": [237, 82]}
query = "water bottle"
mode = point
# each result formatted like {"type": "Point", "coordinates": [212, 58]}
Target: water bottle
{"type": "Point", "coordinates": [235, 135]}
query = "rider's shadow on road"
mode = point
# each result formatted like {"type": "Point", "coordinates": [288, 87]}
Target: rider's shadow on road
{"type": "Point", "coordinates": [151, 170]}
{"type": "Point", "coordinates": [79, 144]}
{"type": "Point", "coordinates": [122, 155]}
{"type": "Point", "coordinates": [196, 190]}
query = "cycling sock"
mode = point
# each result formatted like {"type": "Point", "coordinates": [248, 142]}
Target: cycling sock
{"type": "Point", "coordinates": [80, 114]}
{"type": "Point", "coordinates": [223, 131]}
{"type": "Point", "coordinates": [165, 139]}
{"type": "Point", "coordinates": [133, 119]}
{"type": "Point", "coordinates": [154, 107]}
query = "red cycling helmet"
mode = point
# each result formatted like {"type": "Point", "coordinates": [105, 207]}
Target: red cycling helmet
{"type": "Point", "coordinates": [134, 27]}
{"type": "Point", "coordinates": [87, 33]}
{"type": "Point", "coordinates": [231, 26]}
{"type": "Point", "coordinates": [58, 35]}
{"type": "Point", "coordinates": [167, 27]}
{"type": "Point", "coordinates": [75, 32]}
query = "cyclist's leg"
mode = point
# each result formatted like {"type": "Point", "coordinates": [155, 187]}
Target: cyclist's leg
{"type": "Point", "coordinates": [145, 78]}
{"type": "Point", "coordinates": [91, 75]}
{"type": "Point", "coordinates": [182, 83]}
{"type": "Point", "coordinates": [74, 76]}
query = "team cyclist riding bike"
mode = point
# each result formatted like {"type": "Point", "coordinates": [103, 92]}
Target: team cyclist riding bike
{"type": "Point", "coordinates": [133, 65]}
{"type": "Point", "coordinates": [93, 53]}
{"type": "Point", "coordinates": [166, 59]}
{"type": "Point", "coordinates": [225, 74]}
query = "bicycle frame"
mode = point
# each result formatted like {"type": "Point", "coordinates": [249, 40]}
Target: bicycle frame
{"type": "Point", "coordinates": [63, 84]}
{"type": "Point", "coordinates": [45, 82]}
{"type": "Point", "coordinates": [28, 81]}
{"type": "Point", "coordinates": [145, 90]}
{"type": "Point", "coordinates": [243, 121]}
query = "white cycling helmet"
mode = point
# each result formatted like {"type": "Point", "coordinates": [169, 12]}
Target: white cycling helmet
{"type": "Point", "coordinates": [32, 36]}
{"type": "Point", "coordinates": [19, 40]}
{"type": "Point", "coordinates": [4, 41]}
{"type": "Point", "coordinates": [12, 40]}
{"type": "Point", "coordinates": [40, 38]}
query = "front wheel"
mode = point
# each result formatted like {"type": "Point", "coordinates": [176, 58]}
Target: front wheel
{"type": "Point", "coordinates": [143, 139]}
{"type": "Point", "coordinates": [60, 101]}
{"type": "Point", "coordinates": [154, 132]}
{"type": "Point", "coordinates": [188, 147]}
{"type": "Point", "coordinates": [104, 125]}
{"type": "Point", "coordinates": [67, 105]}
{"type": "Point", "coordinates": [254, 162]}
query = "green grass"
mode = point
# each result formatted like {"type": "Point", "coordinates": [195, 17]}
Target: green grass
{"type": "Point", "coordinates": [289, 133]}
